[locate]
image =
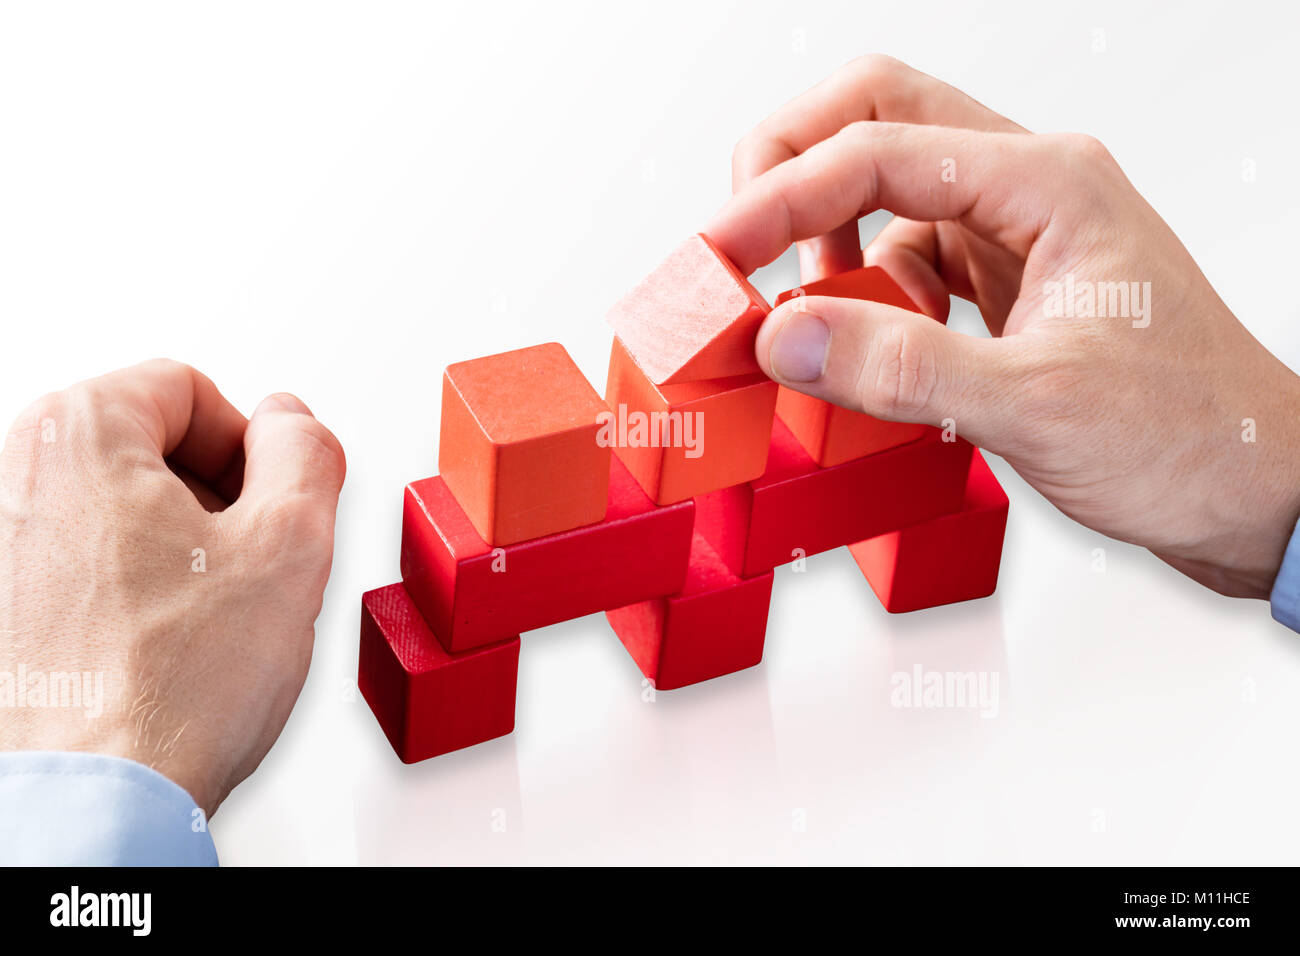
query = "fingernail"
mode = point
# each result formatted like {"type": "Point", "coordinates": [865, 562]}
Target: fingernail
{"type": "Point", "coordinates": [282, 402]}
{"type": "Point", "coordinates": [798, 352]}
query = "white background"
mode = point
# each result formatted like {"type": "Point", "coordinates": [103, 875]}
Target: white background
{"type": "Point", "coordinates": [340, 199]}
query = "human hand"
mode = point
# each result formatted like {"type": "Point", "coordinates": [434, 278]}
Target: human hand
{"type": "Point", "coordinates": [158, 547]}
{"type": "Point", "coordinates": [1167, 425]}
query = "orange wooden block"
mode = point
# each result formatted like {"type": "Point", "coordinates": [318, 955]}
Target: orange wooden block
{"type": "Point", "coordinates": [694, 318]}
{"type": "Point", "coordinates": [519, 445]}
{"type": "Point", "coordinates": [683, 440]}
{"type": "Point", "coordinates": [830, 434]}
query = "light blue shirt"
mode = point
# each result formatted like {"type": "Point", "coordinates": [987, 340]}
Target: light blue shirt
{"type": "Point", "coordinates": [77, 809]}
{"type": "Point", "coordinates": [1285, 599]}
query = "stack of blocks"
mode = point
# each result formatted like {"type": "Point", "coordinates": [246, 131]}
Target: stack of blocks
{"type": "Point", "coordinates": [667, 505]}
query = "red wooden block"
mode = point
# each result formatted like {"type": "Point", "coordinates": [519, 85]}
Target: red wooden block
{"type": "Point", "coordinates": [428, 701]}
{"type": "Point", "coordinates": [694, 318]}
{"type": "Point", "coordinates": [715, 626]}
{"type": "Point", "coordinates": [870, 282]}
{"type": "Point", "coordinates": [473, 594]}
{"type": "Point", "coordinates": [944, 560]}
{"type": "Point", "coordinates": [833, 435]}
{"type": "Point", "coordinates": [518, 445]}
{"type": "Point", "coordinates": [684, 440]}
{"type": "Point", "coordinates": [797, 509]}
{"type": "Point", "coordinates": [830, 434]}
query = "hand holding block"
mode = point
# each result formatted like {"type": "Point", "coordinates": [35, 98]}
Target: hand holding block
{"type": "Point", "coordinates": [833, 435]}
{"type": "Point", "coordinates": [684, 440]}
{"type": "Point", "coordinates": [715, 626]}
{"type": "Point", "coordinates": [472, 594]}
{"type": "Point", "coordinates": [518, 446]}
{"type": "Point", "coordinates": [428, 701]}
{"type": "Point", "coordinates": [797, 509]}
{"type": "Point", "coordinates": [694, 318]}
{"type": "Point", "coordinates": [944, 560]}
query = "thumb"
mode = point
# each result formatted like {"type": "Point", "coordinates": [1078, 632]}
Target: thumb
{"type": "Point", "coordinates": [290, 455]}
{"type": "Point", "coordinates": [890, 363]}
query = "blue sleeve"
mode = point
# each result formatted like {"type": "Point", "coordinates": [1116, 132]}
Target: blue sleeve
{"type": "Point", "coordinates": [77, 809]}
{"type": "Point", "coordinates": [1285, 598]}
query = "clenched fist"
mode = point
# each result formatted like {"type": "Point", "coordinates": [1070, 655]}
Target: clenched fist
{"type": "Point", "coordinates": [162, 561]}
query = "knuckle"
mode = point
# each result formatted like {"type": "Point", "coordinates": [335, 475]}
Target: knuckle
{"type": "Point", "coordinates": [104, 414]}
{"type": "Point", "coordinates": [1083, 149]}
{"type": "Point", "coordinates": [899, 373]}
{"type": "Point", "coordinates": [874, 68]}
{"type": "Point", "coordinates": [50, 406]}
{"type": "Point", "coordinates": [166, 365]}
{"type": "Point", "coordinates": [24, 433]}
{"type": "Point", "coordinates": [54, 416]}
{"type": "Point", "coordinates": [865, 137]}
{"type": "Point", "coordinates": [863, 130]}
{"type": "Point", "coordinates": [322, 448]}
{"type": "Point", "coordinates": [743, 148]}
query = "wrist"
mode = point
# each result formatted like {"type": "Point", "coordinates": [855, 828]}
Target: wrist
{"type": "Point", "coordinates": [1258, 499]}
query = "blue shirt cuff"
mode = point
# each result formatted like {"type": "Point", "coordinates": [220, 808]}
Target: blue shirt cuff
{"type": "Point", "coordinates": [79, 809]}
{"type": "Point", "coordinates": [1285, 599]}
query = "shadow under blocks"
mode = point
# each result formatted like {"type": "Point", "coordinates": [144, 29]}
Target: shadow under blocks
{"type": "Point", "coordinates": [666, 504]}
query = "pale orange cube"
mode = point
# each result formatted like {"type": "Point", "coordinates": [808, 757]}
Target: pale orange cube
{"type": "Point", "coordinates": [695, 318]}
{"type": "Point", "coordinates": [519, 445]}
{"type": "Point", "coordinates": [680, 441]}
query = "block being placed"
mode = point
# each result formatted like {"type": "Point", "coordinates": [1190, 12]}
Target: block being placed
{"type": "Point", "coordinates": [830, 434]}
{"type": "Point", "coordinates": [518, 446]}
{"type": "Point", "coordinates": [715, 626]}
{"type": "Point", "coordinates": [694, 318]}
{"type": "Point", "coordinates": [428, 701]}
{"type": "Point", "coordinates": [689, 439]}
{"type": "Point", "coordinates": [944, 560]}
{"type": "Point", "coordinates": [473, 594]}
{"type": "Point", "coordinates": [796, 509]}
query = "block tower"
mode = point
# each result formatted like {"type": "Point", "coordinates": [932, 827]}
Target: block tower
{"type": "Point", "coordinates": [667, 505]}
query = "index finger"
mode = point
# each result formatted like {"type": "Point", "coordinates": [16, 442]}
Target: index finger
{"type": "Point", "coordinates": [182, 416]}
{"type": "Point", "coordinates": [1002, 189]}
{"type": "Point", "coordinates": [873, 87]}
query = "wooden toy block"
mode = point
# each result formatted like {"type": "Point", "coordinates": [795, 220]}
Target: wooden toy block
{"type": "Point", "coordinates": [428, 701]}
{"type": "Point", "coordinates": [694, 318]}
{"type": "Point", "coordinates": [683, 440]}
{"type": "Point", "coordinates": [518, 446]}
{"type": "Point", "coordinates": [715, 626]}
{"type": "Point", "coordinates": [833, 435]}
{"type": "Point", "coordinates": [870, 282]}
{"type": "Point", "coordinates": [797, 509]}
{"type": "Point", "coordinates": [473, 594]}
{"type": "Point", "coordinates": [944, 560]}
